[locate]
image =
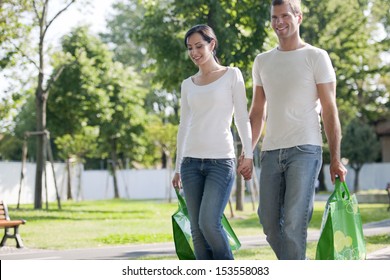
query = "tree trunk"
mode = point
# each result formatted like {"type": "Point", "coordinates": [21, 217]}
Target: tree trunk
{"type": "Point", "coordinates": [240, 193]}
{"type": "Point", "coordinates": [170, 171]}
{"type": "Point", "coordinates": [321, 179]}
{"type": "Point", "coordinates": [356, 180]}
{"type": "Point", "coordinates": [41, 127]}
{"type": "Point", "coordinates": [114, 161]}
{"type": "Point", "coordinates": [40, 103]}
{"type": "Point", "coordinates": [41, 96]}
{"type": "Point", "coordinates": [164, 159]}
{"type": "Point", "coordinates": [69, 181]}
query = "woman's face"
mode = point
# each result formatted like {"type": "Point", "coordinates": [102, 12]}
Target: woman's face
{"type": "Point", "coordinates": [199, 50]}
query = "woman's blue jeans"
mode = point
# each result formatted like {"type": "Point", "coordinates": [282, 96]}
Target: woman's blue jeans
{"type": "Point", "coordinates": [207, 184]}
{"type": "Point", "coordinates": [287, 184]}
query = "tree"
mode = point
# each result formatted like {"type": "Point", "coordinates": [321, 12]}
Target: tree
{"type": "Point", "coordinates": [42, 90]}
{"type": "Point", "coordinates": [347, 30]}
{"type": "Point", "coordinates": [164, 142]}
{"type": "Point", "coordinates": [78, 99]}
{"type": "Point", "coordinates": [14, 34]}
{"type": "Point", "coordinates": [8, 106]}
{"type": "Point", "coordinates": [22, 17]}
{"type": "Point", "coordinates": [14, 31]}
{"type": "Point", "coordinates": [12, 142]}
{"type": "Point", "coordinates": [74, 148]}
{"type": "Point", "coordinates": [359, 145]}
{"type": "Point", "coordinates": [94, 91]}
{"type": "Point", "coordinates": [121, 133]}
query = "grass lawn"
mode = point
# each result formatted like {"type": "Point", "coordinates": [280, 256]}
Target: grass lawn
{"type": "Point", "coordinates": [120, 222]}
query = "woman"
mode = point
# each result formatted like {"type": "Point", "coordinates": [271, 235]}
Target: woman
{"type": "Point", "coordinates": [205, 164]}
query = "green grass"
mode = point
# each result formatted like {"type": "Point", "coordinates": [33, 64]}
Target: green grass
{"type": "Point", "coordinates": [121, 222]}
{"type": "Point", "coordinates": [247, 222]}
{"type": "Point", "coordinates": [95, 224]}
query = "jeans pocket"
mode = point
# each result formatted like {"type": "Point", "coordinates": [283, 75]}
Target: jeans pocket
{"type": "Point", "coordinates": [186, 160]}
{"type": "Point", "coordinates": [229, 163]}
{"type": "Point", "coordinates": [309, 149]}
{"type": "Point", "coordinates": [262, 155]}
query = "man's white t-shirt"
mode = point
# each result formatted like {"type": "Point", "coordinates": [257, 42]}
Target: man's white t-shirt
{"type": "Point", "coordinates": [206, 117]}
{"type": "Point", "coordinates": [289, 80]}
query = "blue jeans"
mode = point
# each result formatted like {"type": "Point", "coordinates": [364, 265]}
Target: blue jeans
{"type": "Point", "coordinates": [287, 184]}
{"type": "Point", "coordinates": [207, 184]}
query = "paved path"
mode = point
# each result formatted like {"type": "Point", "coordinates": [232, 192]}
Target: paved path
{"type": "Point", "coordinates": [165, 249]}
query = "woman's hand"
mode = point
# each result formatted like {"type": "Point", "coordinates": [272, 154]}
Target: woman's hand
{"type": "Point", "coordinates": [176, 181]}
{"type": "Point", "coordinates": [245, 167]}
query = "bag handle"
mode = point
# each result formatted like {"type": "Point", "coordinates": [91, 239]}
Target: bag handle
{"type": "Point", "coordinates": [182, 202]}
{"type": "Point", "coordinates": [341, 191]}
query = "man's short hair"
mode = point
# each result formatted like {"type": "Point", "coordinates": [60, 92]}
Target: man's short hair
{"type": "Point", "coordinates": [294, 4]}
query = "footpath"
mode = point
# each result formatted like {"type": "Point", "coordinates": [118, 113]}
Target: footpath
{"type": "Point", "coordinates": [132, 252]}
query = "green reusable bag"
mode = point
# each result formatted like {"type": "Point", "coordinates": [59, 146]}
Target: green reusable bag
{"type": "Point", "coordinates": [182, 232]}
{"type": "Point", "coordinates": [341, 235]}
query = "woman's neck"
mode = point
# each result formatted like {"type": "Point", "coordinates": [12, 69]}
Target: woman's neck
{"type": "Point", "coordinates": [209, 68]}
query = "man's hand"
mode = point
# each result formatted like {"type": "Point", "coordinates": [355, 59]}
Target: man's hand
{"type": "Point", "coordinates": [336, 168]}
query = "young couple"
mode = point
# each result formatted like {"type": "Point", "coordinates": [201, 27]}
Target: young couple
{"type": "Point", "coordinates": [294, 85]}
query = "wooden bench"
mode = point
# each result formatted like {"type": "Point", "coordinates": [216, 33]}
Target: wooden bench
{"type": "Point", "coordinates": [7, 224]}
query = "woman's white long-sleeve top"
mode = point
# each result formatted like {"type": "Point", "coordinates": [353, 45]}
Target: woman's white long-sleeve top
{"type": "Point", "coordinates": [206, 118]}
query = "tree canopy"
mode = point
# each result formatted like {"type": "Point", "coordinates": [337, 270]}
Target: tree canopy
{"type": "Point", "coordinates": [359, 145]}
{"type": "Point", "coordinates": [348, 31]}
{"type": "Point", "coordinates": [95, 91]}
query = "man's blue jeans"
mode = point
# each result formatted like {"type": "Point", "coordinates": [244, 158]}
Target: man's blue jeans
{"type": "Point", "coordinates": [207, 184]}
{"type": "Point", "coordinates": [287, 184]}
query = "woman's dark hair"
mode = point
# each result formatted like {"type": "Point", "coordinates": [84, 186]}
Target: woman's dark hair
{"type": "Point", "coordinates": [207, 34]}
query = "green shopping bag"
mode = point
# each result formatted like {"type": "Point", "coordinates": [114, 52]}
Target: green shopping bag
{"type": "Point", "coordinates": [182, 232]}
{"type": "Point", "coordinates": [341, 235]}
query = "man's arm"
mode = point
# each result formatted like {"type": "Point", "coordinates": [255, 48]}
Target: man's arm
{"type": "Point", "coordinates": [257, 118]}
{"type": "Point", "coordinates": [257, 113]}
{"type": "Point", "coordinates": [332, 127]}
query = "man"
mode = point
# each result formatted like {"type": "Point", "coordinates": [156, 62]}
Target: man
{"type": "Point", "coordinates": [294, 84]}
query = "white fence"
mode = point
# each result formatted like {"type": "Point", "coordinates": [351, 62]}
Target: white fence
{"type": "Point", "coordinates": [132, 184]}
{"type": "Point", "coordinates": [90, 185]}
{"type": "Point", "coordinates": [371, 176]}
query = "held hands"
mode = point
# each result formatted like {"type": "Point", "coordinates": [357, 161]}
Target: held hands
{"type": "Point", "coordinates": [176, 181]}
{"type": "Point", "coordinates": [245, 167]}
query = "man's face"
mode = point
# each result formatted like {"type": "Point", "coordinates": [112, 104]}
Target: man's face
{"type": "Point", "coordinates": [284, 22]}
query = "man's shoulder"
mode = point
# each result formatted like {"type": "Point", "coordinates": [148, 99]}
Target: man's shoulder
{"type": "Point", "coordinates": [265, 54]}
{"type": "Point", "coordinates": [315, 50]}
